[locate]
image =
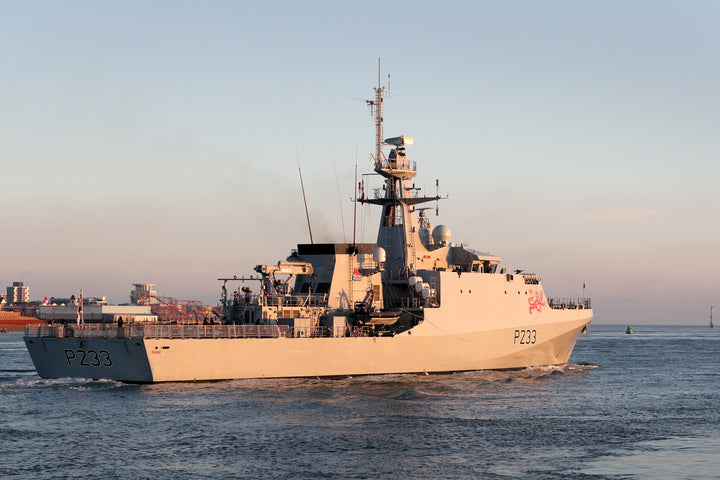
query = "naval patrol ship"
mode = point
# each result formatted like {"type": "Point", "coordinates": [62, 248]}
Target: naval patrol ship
{"type": "Point", "coordinates": [413, 302]}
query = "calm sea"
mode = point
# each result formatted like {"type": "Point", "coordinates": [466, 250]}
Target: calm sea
{"type": "Point", "coordinates": [643, 406]}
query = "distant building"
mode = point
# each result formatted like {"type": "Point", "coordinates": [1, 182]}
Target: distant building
{"type": "Point", "coordinates": [18, 293]}
{"type": "Point", "coordinates": [95, 313]}
{"type": "Point", "coordinates": [62, 301]}
{"type": "Point", "coordinates": [94, 301]}
{"type": "Point", "coordinates": [73, 300]}
{"type": "Point", "coordinates": [143, 294]}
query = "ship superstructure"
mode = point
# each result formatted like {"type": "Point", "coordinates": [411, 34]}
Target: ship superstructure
{"type": "Point", "coordinates": [413, 302]}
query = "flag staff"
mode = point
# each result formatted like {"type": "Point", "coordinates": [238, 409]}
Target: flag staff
{"type": "Point", "coordinates": [80, 314]}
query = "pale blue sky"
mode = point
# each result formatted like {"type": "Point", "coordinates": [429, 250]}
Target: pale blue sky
{"type": "Point", "coordinates": [155, 141]}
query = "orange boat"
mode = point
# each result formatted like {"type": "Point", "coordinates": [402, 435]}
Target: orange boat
{"type": "Point", "coordinates": [14, 322]}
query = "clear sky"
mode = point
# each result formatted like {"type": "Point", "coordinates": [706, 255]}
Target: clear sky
{"type": "Point", "coordinates": [158, 141]}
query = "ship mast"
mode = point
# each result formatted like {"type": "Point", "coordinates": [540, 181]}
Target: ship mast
{"type": "Point", "coordinates": [397, 233]}
{"type": "Point", "coordinates": [376, 113]}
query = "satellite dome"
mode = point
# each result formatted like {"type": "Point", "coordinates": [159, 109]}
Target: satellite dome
{"type": "Point", "coordinates": [441, 234]}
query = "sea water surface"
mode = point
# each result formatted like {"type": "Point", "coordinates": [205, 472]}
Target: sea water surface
{"type": "Point", "coordinates": [639, 406]}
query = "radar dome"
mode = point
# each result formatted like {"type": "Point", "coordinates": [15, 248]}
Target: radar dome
{"type": "Point", "coordinates": [379, 255]}
{"type": "Point", "coordinates": [441, 234]}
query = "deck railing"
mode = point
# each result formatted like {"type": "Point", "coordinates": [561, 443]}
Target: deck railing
{"type": "Point", "coordinates": [569, 303]}
{"type": "Point", "coordinates": [404, 165]}
{"type": "Point", "coordinates": [311, 300]}
{"type": "Point", "coordinates": [140, 331]}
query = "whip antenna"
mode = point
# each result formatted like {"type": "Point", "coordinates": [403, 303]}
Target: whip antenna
{"type": "Point", "coordinates": [302, 185]}
{"type": "Point", "coordinates": [355, 202]}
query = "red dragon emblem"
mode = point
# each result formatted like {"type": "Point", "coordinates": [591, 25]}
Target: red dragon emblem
{"type": "Point", "coordinates": [536, 301]}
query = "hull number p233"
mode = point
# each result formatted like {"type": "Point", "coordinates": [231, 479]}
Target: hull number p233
{"type": "Point", "coordinates": [525, 337]}
{"type": "Point", "coordinates": [88, 358]}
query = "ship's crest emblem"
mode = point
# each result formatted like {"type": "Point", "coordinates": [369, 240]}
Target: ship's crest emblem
{"type": "Point", "coordinates": [357, 276]}
{"type": "Point", "coordinates": [536, 301]}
